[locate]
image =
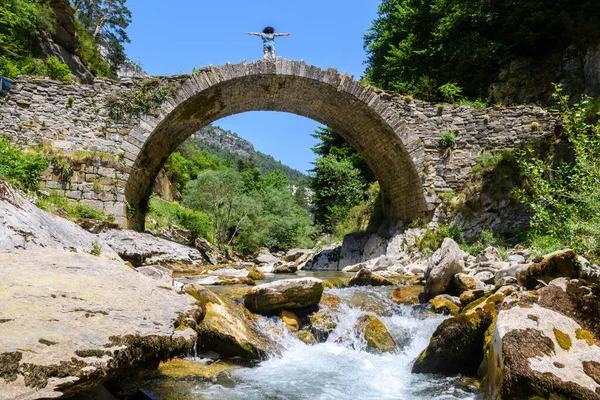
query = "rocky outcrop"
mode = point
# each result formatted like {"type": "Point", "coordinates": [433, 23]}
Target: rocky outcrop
{"type": "Point", "coordinates": [62, 43]}
{"type": "Point", "coordinates": [365, 277]}
{"type": "Point", "coordinates": [146, 249]}
{"type": "Point", "coordinates": [228, 328]}
{"type": "Point", "coordinates": [70, 321]}
{"type": "Point", "coordinates": [375, 334]}
{"type": "Point", "coordinates": [287, 294]}
{"type": "Point", "coordinates": [441, 267]}
{"type": "Point", "coordinates": [24, 226]}
{"type": "Point", "coordinates": [562, 263]}
{"type": "Point", "coordinates": [545, 344]}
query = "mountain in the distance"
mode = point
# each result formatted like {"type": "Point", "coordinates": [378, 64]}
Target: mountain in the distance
{"type": "Point", "coordinates": [228, 145]}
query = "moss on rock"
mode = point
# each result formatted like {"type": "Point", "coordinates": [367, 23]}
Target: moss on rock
{"type": "Point", "coordinates": [444, 306]}
{"type": "Point", "coordinates": [407, 294]}
{"type": "Point", "coordinates": [375, 334]}
{"type": "Point", "coordinates": [563, 339]}
{"type": "Point", "coordinates": [306, 337]}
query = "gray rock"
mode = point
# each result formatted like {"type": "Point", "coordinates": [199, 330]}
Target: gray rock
{"type": "Point", "coordinates": [24, 226]}
{"type": "Point", "coordinates": [541, 350]}
{"type": "Point", "coordinates": [145, 249]}
{"type": "Point", "coordinates": [490, 254]}
{"type": "Point", "coordinates": [265, 257]}
{"type": "Point", "coordinates": [506, 281]}
{"type": "Point", "coordinates": [355, 267]}
{"type": "Point", "coordinates": [485, 276]}
{"type": "Point", "coordinates": [287, 294]}
{"type": "Point", "coordinates": [297, 255]}
{"type": "Point", "coordinates": [157, 272]}
{"type": "Point", "coordinates": [441, 267]}
{"type": "Point", "coordinates": [454, 299]}
{"type": "Point", "coordinates": [78, 320]}
{"type": "Point", "coordinates": [382, 263]}
{"type": "Point", "coordinates": [516, 258]}
{"type": "Point", "coordinates": [325, 260]}
{"type": "Point", "coordinates": [366, 277]}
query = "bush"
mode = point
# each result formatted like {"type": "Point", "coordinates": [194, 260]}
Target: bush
{"type": "Point", "coordinates": [164, 215]}
{"type": "Point", "coordinates": [21, 170]}
{"type": "Point", "coordinates": [448, 140]}
{"type": "Point", "coordinates": [57, 70]}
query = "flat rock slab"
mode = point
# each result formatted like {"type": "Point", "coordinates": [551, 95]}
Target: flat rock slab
{"type": "Point", "coordinates": [70, 321]}
{"type": "Point", "coordinates": [146, 249]}
{"type": "Point", "coordinates": [286, 294]}
{"type": "Point", "coordinates": [24, 226]}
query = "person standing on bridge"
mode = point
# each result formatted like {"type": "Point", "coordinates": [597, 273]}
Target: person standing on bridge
{"type": "Point", "coordinates": [268, 36]}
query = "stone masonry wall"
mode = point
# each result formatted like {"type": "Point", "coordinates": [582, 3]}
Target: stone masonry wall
{"type": "Point", "coordinates": [73, 119]}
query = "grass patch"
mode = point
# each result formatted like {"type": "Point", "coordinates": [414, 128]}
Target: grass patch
{"type": "Point", "coordinates": [72, 210]}
{"type": "Point", "coordinates": [20, 169]}
{"type": "Point", "coordinates": [163, 215]}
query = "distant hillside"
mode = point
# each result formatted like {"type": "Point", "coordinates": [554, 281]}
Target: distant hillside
{"type": "Point", "coordinates": [228, 145]}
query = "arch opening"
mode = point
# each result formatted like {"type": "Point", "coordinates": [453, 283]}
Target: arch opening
{"type": "Point", "coordinates": [355, 112]}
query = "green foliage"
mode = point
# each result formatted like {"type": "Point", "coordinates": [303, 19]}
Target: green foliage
{"type": "Point", "coordinates": [106, 22]}
{"type": "Point", "coordinates": [450, 91]}
{"type": "Point", "coordinates": [415, 46]}
{"type": "Point", "coordinates": [433, 237]}
{"type": "Point", "coordinates": [20, 169]}
{"type": "Point", "coordinates": [90, 55]}
{"type": "Point", "coordinates": [73, 210]}
{"type": "Point", "coordinates": [249, 213]}
{"type": "Point", "coordinates": [563, 196]}
{"type": "Point", "coordinates": [146, 98]}
{"type": "Point", "coordinates": [96, 250]}
{"type": "Point", "coordinates": [338, 186]}
{"type": "Point", "coordinates": [57, 70]}
{"type": "Point", "coordinates": [63, 166]}
{"type": "Point", "coordinates": [162, 214]}
{"type": "Point", "coordinates": [448, 140]}
{"type": "Point", "coordinates": [358, 217]}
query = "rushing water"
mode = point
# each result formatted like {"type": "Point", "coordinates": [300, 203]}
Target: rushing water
{"type": "Point", "coordinates": [340, 368]}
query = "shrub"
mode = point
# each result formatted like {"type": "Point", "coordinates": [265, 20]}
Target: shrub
{"type": "Point", "coordinates": [20, 169]}
{"type": "Point", "coordinates": [57, 70]}
{"type": "Point", "coordinates": [450, 91]}
{"type": "Point", "coordinates": [448, 140]}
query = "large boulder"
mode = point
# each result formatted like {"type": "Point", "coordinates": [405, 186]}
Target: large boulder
{"type": "Point", "coordinates": [325, 260]}
{"type": "Point", "coordinates": [71, 321]}
{"type": "Point", "coordinates": [24, 226]}
{"type": "Point", "coordinates": [456, 345]}
{"type": "Point", "coordinates": [265, 257]}
{"type": "Point", "coordinates": [228, 328]}
{"type": "Point", "coordinates": [561, 263]}
{"type": "Point", "coordinates": [375, 334]}
{"type": "Point", "coordinates": [287, 294]}
{"type": "Point", "coordinates": [545, 344]}
{"type": "Point", "coordinates": [145, 249]}
{"type": "Point", "coordinates": [365, 277]}
{"type": "Point", "coordinates": [441, 267]}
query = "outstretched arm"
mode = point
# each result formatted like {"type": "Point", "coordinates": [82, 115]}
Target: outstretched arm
{"type": "Point", "coordinates": [282, 34]}
{"type": "Point", "coordinates": [254, 33]}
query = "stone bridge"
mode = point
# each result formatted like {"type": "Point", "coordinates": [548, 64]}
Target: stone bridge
{"type": "Point", "coordinates": [398, 136]}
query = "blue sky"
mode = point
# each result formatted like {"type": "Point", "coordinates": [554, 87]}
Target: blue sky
{"type": "Point", "coordinates": [174, 37]}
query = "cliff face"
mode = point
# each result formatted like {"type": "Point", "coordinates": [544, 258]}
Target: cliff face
{"type": "Point", "coordinates": [63, 42]}
{"type": "Point", "coordinates": [230, 142]}
{"type": "Point", "coordinates": [530, 81]}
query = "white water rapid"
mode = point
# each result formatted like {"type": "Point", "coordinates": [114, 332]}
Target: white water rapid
{"type": "Point", "coordinates": [340, 368]}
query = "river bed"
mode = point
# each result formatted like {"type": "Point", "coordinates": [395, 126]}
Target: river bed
{"type": "Point", "coordinates": [339, 368]}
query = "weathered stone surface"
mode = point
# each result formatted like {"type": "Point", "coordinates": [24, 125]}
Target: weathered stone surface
{"type": "Point", "coordinates": [228, 328]}
{"type": "Point", "coordinates": [285, 269]}
{"type": "Point", "coordinates": [365, 277]}
{"type": "Point", "coordinates": [71, 321]}
{"type": "Point", "coordinates": [407, 294]}
{"type": "Point", "coordinates": [539, 352]}
{"type": "Point", "coordinates": [562, 263]}
{"type": "Point", "coordinates": [490, 254]}
{"type": "Point", "coordinates": [265, 257]}
{"type": "Point", "coordinates": [146, 249]}
{"type": "Point", "coordinates": [287, 294]}
{"type": "Point", "coordinates": [443, 305]}
{"type": "Point", "coordinates": [325, 260]}
{"type": "Point", "coordinates": [24, 226]}
{"type": "Point", "coordinates": [290, 320]}
{"type": "Point", "coordinates": [463, 282]}
{"type": "Point", "coordinates": [456, 345]}
{"type": "Point", "coordinates": [441, 267]}
{"type": "Point", "coordinates": [375, 334]}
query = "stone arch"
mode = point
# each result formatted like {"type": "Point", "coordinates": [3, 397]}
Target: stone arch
{"type": "Point", "coordinates": [358, 113]}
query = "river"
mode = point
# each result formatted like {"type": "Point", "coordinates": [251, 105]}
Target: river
{"type": "Point", "coordinates": [339, 368]}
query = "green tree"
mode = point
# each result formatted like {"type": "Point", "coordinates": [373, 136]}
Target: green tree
{"type": "Point", "coordinates": [338, 186]}
{"type": "Point", "coordinates": [416, 46]}
{"type": "Point", "coordinates": [106, 21]}
{"type": "Point", "coordinates": [219, 194]}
